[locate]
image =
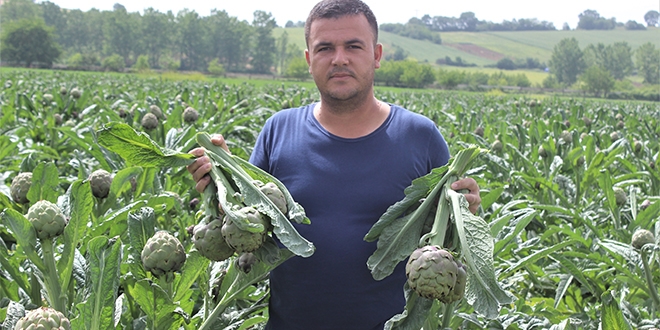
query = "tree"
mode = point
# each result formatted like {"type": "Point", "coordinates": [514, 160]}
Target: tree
{"type": "Point", "coordinates": [215, 68]}
{"type": "Point", "coordinates": [262, 58]}
{"type": "Point", "coordinates": [229, 39]}
{"type": "Point", "coordinates": [597, 80]}
{"type": "Point", "coordinates": [651, 17]}
{"type": "Point", "coordinates": [632, 25]}
{"type": "Point", "coordinates": [648, 63]}
{"type": "Point", "coordinates": [591, 20]}
{"type": "Point", "coordinates": [281, 54]}
{"type": "Point", "coordinates": [567, 61]}
{"type": "Point", "coordinates": [191, 40]}
{"type": "Point", "coordinates": [298, 69]}
{"type": "Point", "coordinates": [54, 16]}
{"type": "Point", "coordinates": [506, 64]}
{"type": "Point", "coordinates": [114, 62]}
{"type": "Point", "coordinates": [157, 29]}
{"type": "Point", "coordinates": [29, 41]}
{"type": "Point", "coordinates": [120, 33]}
{"type": "Point", "coordinates": [16, 10]}
{"type": "Point", "coordinates": [142, 63]}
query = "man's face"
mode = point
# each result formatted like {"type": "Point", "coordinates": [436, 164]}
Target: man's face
{"type": "Point", "coordinates": [342, 57]}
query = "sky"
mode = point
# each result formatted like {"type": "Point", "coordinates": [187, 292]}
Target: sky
{"type": "Point", "coordinates": [557, 12]}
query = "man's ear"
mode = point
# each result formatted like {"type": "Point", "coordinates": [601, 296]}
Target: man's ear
{"type": "Point", "coordinates": [308, 62]}
{"type": "Point", "coordinates": [378, 54]}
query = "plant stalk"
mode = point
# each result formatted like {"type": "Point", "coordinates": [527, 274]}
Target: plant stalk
{"type": "Point", "coordinates": [447, 315]}
{"type": "Point", "coordinates": [56, 297]}
{"type": "Point", "coordinates": [649, 280]}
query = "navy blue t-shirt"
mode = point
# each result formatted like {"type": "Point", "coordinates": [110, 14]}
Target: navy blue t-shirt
{"type": "Point", "coordinates": [344, 185]}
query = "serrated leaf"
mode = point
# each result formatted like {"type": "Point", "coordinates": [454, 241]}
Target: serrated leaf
{"type": "Point", "coordinates": [138, 148]}
{"type": "Point", "coordinates": [611, 317]}
{"type": "Point", "coordinates": [483, 291]}
{"type": "Point", "coordinates": [79, 204]}
{"type": "Point", "coordinates": [414, 315]}
{"type": "Point", "coordinates": [104, 257]}
{"type": "Point", "coordinates": [195, 264]}
{"type": "Point", "coordinates": [141, 227]}
{"type": "Point", "coordinates": [15, 312]}
{"type": "Point", "coordinates": [25, 235]}
{"type": "Point", "coordinates": [45, 183]}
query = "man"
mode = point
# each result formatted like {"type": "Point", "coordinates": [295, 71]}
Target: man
{"type": "Point", "coordinates": [345, 159]}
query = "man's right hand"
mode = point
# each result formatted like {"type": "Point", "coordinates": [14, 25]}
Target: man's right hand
{"type": "Point", "coordinates": [202, 165]}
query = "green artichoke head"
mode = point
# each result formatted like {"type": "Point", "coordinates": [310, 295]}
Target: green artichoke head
{"type": "Point", "coordinates": [163, 254]}
{"type": "Point", "coordinates": [47, 219]}
{"type": "Point", "coordinates": [620, 196]}
{"type": "Point", "coordinates": [149, 121]}
{"type": "Point", "coordinates": [76, 93]}
{"type": "Point", "coordinates": [245, 261]}
{"type": "Point", "coordinates": [459, 289]}
{"type": "Point", "coordinates": [275, 195]}
{"type": "Point", "coordinates": [642, 237]}
{"type": "Point", "coordinates": [20, 186]}
{"type": "Point", "coordinates": [43, 318]}
{"type": "Point", "coordinates": [100, 182]}
{"type": "Point", "coordinates": [208, 240]}
{"type": "Point", "coordinates": [190, 115]}
{"type": "Point", "coordinates": [431, 272]}
{"type": "Point", "coordinates": [157, 111]}
{"type": "Point", "coordinates": [241, 240]}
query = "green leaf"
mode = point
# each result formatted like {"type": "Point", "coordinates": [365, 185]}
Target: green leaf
{"type": "Point", "coordinates": [45, 183]}
{"type": "Point", "coordinates": [77, 205]}
{"type": "Point", "coordinates": [483, 291]}
{"type": "Point", "coordinates": [530, 259]}
{"type": "Point", "coordinates": [13, 267]}
{"type": "Point", "coordinates": [141, 227]}
{"type": "Point", "coordinates": [194, 266]}
{"type": "Point", "coordinates": [104, 257]}
{"type": "Point", "coordinates": [611, 317]}
{"type": "Point", "coordinates": [414, 315]}
{"type": "Point", "coordinates": [25, 235]}
{"type": "Point", "coordinates": [138, 148]}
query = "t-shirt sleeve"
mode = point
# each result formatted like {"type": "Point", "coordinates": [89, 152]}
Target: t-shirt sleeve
{"type": "Point", "coordinates": [438, 149]}
{"type": "Point", "coordinates": [259, 156]}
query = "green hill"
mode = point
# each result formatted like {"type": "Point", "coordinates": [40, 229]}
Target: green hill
{"type": "Point", "coordinates": [484, 48]}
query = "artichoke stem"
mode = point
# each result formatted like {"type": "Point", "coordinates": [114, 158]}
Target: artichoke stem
{"type": "Point", "coordinates": [52, 281]}
{"type": "Point", "coordinates": [447, 315]}
{"type": "Point", "coordinates": [649, 280]}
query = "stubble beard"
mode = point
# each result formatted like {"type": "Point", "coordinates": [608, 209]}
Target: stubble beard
{"type": "Point", "coordinates": [346, 101]}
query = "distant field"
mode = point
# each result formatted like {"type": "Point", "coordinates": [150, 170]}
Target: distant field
{"type": "Point", "coordinates": [523, 44]}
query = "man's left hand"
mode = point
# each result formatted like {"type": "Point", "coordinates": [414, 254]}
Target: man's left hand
{"type": "Point", "coordinates": [472, 196]}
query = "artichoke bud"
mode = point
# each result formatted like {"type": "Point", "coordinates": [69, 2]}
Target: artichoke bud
{"type": "Point", "coordinates": [208, 240]}
{"type": "Point", "coordinates": [642, 237]}
{"type": "Point", "coordinates": [190, 115]}
{"type": "Point", "coordinates": [245, 261]}
{"type": "Point", "coordinates": [620, 196]}
{"type": "Point", "coordinates": [275, 195]}
{"type": "Point", "coordinates": [163, 254]}
{"type": "Point", "coordinates": [157, 111]}
{"type": "Point", "coordinates": [100, 182]}
{"type": "Point", "coordinates": [149, 121]}
{"type": "Point", "coordinates": [76, 93]}
{"type": "Point", "coordinates": [241, 240]}
{"type": "Point", "coordinates": [566, 136]}
{"type": "Point", "coordinates": [431, 272]}
{"type": "Point", "coordinates": [43, 318]}
{"type": "Point", "coordinates": [496, 146]}
{"type": "Point", "coordinates": [459, 289]}
{"type": "Point", "coordinates": [47, 219]}
{"type": "Point", "coordinates": [20, 186]}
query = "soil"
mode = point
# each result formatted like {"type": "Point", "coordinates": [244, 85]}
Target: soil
{"type": "Point", "coordinates": [477, 50]}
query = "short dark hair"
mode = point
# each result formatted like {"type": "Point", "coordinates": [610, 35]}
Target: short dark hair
{"type": "Point", "coordinates": [340, 8]}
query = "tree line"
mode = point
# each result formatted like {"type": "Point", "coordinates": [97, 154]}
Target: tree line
{"type": "Point", "coordinates": [184, 41]}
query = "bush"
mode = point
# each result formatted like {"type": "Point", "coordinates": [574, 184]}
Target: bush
{"type": "Point", "coordinates": [75, 61]}
{"type": "Point", "coordinates": [215, 68]}
{"type": "Point", "coordinates": [142, 63]}
{"type": "Point", "coordinates": [297, 69]}
{"type": "Point", "coordinates": [114, 63]}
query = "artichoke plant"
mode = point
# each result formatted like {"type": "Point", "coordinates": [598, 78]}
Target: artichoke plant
{"type": "Point", "coordinates": [149, 121]}
{"type": "Point", "coordinates": [190, 115]}
{"type": "Point", "coordinates": [208, 240]}
{"type": "Point", "coordinates": [163, 254]}
{"type": "Point", "coordinates": [100, 182]}
{"type": "Point", "coordinates": [275, 195]}
{"type": "Point", "coordinates": [47, 219]}
{"type": "Point", "coordinates": [157, 111]}
{"type": "Point", "coordinates": [642, 237]}
{"type": "Point", "coordinates": [620, 196]}
{"type": "Point", "coordinates": [43, 318]}
{"type": "Point", "coordinates": [432, 272]}
{"type": "Point", "coordinates": [20, 186]}
{"type": "Point", "coordinates": [241, 240]}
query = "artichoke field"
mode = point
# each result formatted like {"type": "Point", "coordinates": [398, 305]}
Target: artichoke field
{"type": "Point", "coordinates": [109, 233]}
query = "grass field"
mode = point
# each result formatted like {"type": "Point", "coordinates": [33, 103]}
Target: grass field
{"type": "Point", "coordinates": [522, 44]}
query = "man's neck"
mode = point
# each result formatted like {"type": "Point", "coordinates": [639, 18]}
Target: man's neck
{"type": "Point", "coordinates": [352, 122]}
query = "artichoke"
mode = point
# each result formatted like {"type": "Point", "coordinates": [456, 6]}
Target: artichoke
{"type": "Point", "coordinates": [566, 136]}
{"type": "Point", "coordinates": [43, 318]}
{"type": "Point", "coordinates": [163, 254]}
{"type": "Point", "coordinates": [76, 93]}
{"type": "Point", "coordinates": [620, 196]}
{"type": "Point", "coordinates": [275, 195]}
{"type": "Point", "coordinates": [63, 90]}
{"type": "Point", "coordinates": [642, 237]}
{"type": "Point", "coordinates": [431, 272]}
{"type": "Point", "coordinates": [157, 111]}
{"type": "Point", "coordinates": [100, 181]}
{"type": "Point", "coordinates": [20, 186]}
{"type": "Point", "coordinates": [496, 146]}
{"type": "Point", "coordinates": [459, 289]}
{"type": "Point", "coordinates": [47, 219]}
{"type": "Point", "coordinates": [47, 98]}
{"type": "Point", "coordinates": [209, 242]}
{"type": "Point", "coordinates": [149, 121]}
{"type": "Point", "coordinates": [241, 240]}
{"type": "Point", "coordinates": [190, 115]}
{"type": "Point", "coordinates": [245, 261]}
{"type": "Point", "coordinates": [479, 131]}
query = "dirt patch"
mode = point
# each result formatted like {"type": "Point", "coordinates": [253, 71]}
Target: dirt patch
{"type": "Point", "coordinates": [476, 50]}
